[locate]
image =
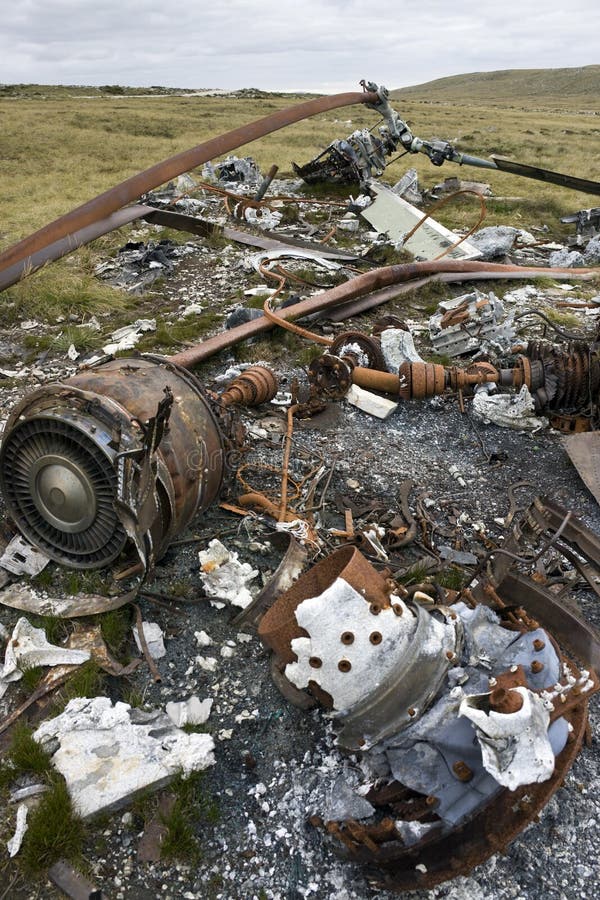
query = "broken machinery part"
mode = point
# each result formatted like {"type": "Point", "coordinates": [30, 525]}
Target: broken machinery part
{"type": "Point", "coordinates": [362, 155]}
{"type": "Point", "coordinates": [431, 697]}
{"type": "Point", "coordinates": [37, 248]}
{"type": "Point", "coordinates": [565, 380]}
{"type": "Point", "coordinates": [129, 448]}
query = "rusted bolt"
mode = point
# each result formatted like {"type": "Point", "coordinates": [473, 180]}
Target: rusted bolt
{"type": "Point", "coordinates": [450, 655]}
{"type": "Point", "coordinates": [375, 608]}
{"type": "Point", "coordinates": [316, 821]}
{"type": "Point", "coordinates": [344, 665]}
{"type": "Point", "coordinates": [504, 701]}
{"type": "Point", "coordinates": [536, 666]}
{"type": "Point", "coordinates": [462, 771]}
{"type": "Point", "coordinates": [315, 663]}
{"type": "Point", "coordinates": [539, 644]}
{"type": "Point", "coordinates": [375, 637]}
{"type": "Point", "coordinates": [347, 637]}
{"type": "Point", "coordinates": [431, 801]}
{"type": "Point", "coordinates": [412, 712]}
{"type": "Point", "coordinates": [397, 607]}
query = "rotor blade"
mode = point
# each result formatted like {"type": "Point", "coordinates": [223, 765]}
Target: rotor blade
{"type": "Point", "coordinates": [567, 181]}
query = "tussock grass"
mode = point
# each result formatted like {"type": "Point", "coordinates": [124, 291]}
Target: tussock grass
{"type": "Point", "coordinates": [192, 807]}
{"type": "Point", "coordinates": [116, 628]}
{"type": "Point", "coordinates": [25, 755]}
{"type": "Point", "coordinates": [55, 831]}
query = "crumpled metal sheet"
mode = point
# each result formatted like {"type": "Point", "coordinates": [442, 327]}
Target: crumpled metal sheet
{"type": "Point", "coordinates": [20, 596]}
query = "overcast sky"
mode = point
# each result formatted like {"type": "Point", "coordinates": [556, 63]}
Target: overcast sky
{"type": "Point", "coordinates": [318, 45]}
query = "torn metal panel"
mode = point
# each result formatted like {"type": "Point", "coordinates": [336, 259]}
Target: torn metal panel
{"type": "Point", "coordinates": [392, 215]}
{"type": "Point", "coordinates": [21, 558]}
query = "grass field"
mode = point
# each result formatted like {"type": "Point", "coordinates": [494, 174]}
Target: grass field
{"type": "Point", "coordinates": [63, 146]}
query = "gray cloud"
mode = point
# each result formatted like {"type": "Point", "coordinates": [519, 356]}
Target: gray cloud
{"type": "Point", "coordinates": [286, 44]}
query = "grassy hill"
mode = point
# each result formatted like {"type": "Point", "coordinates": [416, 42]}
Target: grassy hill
{"type": "Point", "coordinates": [561, 88]}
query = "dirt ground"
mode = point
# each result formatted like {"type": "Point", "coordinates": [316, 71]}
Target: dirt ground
{"type": "Point", "coordinates": [275, 763]}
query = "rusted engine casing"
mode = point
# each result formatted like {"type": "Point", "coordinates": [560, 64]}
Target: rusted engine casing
{"type": "Point", "coordinates": [128, 448]}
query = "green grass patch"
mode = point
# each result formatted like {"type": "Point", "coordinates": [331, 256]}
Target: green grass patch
{"type": "Point", "coordinates": [77, 581]}
{"type": "Point", "coordinates": [26, 756]}
{"type": "Point", "coordinates": [31, 679]}
{"type": "Point", "coordinates": [562, 318]}
{"type": "Point", "coordinates": [451, 578]}
{"type": "Point", "coordinates": [86, 681]}
{"type": "Point", "coordinates": [55, 831]}
{"type": "Point", "coordinates": [192, 809]}
{"type": "Point", "coordinates": [58, 290]}
{"type": "Point", "coordinates": [171, 335]}
{"type": "Point", "coordinates": [56, 629]}
{"type": "Point", "coordinates": [116, 629]}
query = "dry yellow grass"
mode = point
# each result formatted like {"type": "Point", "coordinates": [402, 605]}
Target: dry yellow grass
{"type": "Point", "coordinates": [61, 151]}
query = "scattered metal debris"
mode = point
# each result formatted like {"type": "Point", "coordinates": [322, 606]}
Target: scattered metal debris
{"type": "Point", "coordinates": [108, 754]}
{"type": "Point", "coordinates": [431, 698]}
{"type": "Point", "coordinates": [393, 215]}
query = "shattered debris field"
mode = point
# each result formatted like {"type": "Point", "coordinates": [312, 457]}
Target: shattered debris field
{"type": "Point", "coordinates": [299, 497]}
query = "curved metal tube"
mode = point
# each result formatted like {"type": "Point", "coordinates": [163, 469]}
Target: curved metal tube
{"type": "Point", "coordinates": [359, 287]}
{"type": "Point", "coordinates": [132, 188]}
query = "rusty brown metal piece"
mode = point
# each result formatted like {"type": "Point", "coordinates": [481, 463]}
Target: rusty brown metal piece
{"type": "Point", "coordinates": [256, 385]}
{"type": "Point", "coordinates": [192, 447]}
{"type": "Point", "coordinates": [330, 376]}
{"type": "Point", "coordinates": [286, 573]}
{"type": "Point", "coordinates": [279, 627]}
{"type": "Point", "coordinates": [73, 883]}
{"type": "Point", "coordinates": [368, 351]}
{"type": "Point", "coordinates": [132, 188]}
{"type": "Point", "coordinates": [359, 287]}
{"type": "Point", "coordinates": [95, 425]}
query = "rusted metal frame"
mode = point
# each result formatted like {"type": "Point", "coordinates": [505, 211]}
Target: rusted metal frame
{"type": "Point", "coordinates": [362, 304]}
{"type": "Point", "coordinates": [131, 189]}
{"type": "Point", "coordinates": [350, 290]}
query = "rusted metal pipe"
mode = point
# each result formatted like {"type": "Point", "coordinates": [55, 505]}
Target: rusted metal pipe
{"type": "Point", "coordinates": [71, 242]}
{"type": "Point", "coordinates": [132, 188]}
{"type": "Point", "coordinates": [359, 287]}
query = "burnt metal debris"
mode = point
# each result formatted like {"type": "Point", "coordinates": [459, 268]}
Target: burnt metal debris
{"type": "Point", "coordinates": [129, 448]}
{"type": "Point", "coordinates": [430, 694]}
{"type": "Point", "coordinates": [362, 155]}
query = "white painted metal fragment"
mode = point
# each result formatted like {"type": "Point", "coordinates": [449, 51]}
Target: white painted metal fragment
{"type": "Point", "coordinates": [109, 754]}
{"type": "Point", "coordinates": [14, 844]}
{"type": "Point", "coordinates": [371, 403]}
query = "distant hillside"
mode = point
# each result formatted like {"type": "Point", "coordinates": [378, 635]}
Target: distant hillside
{"type": "Point", "coordinates": [544, 86]}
